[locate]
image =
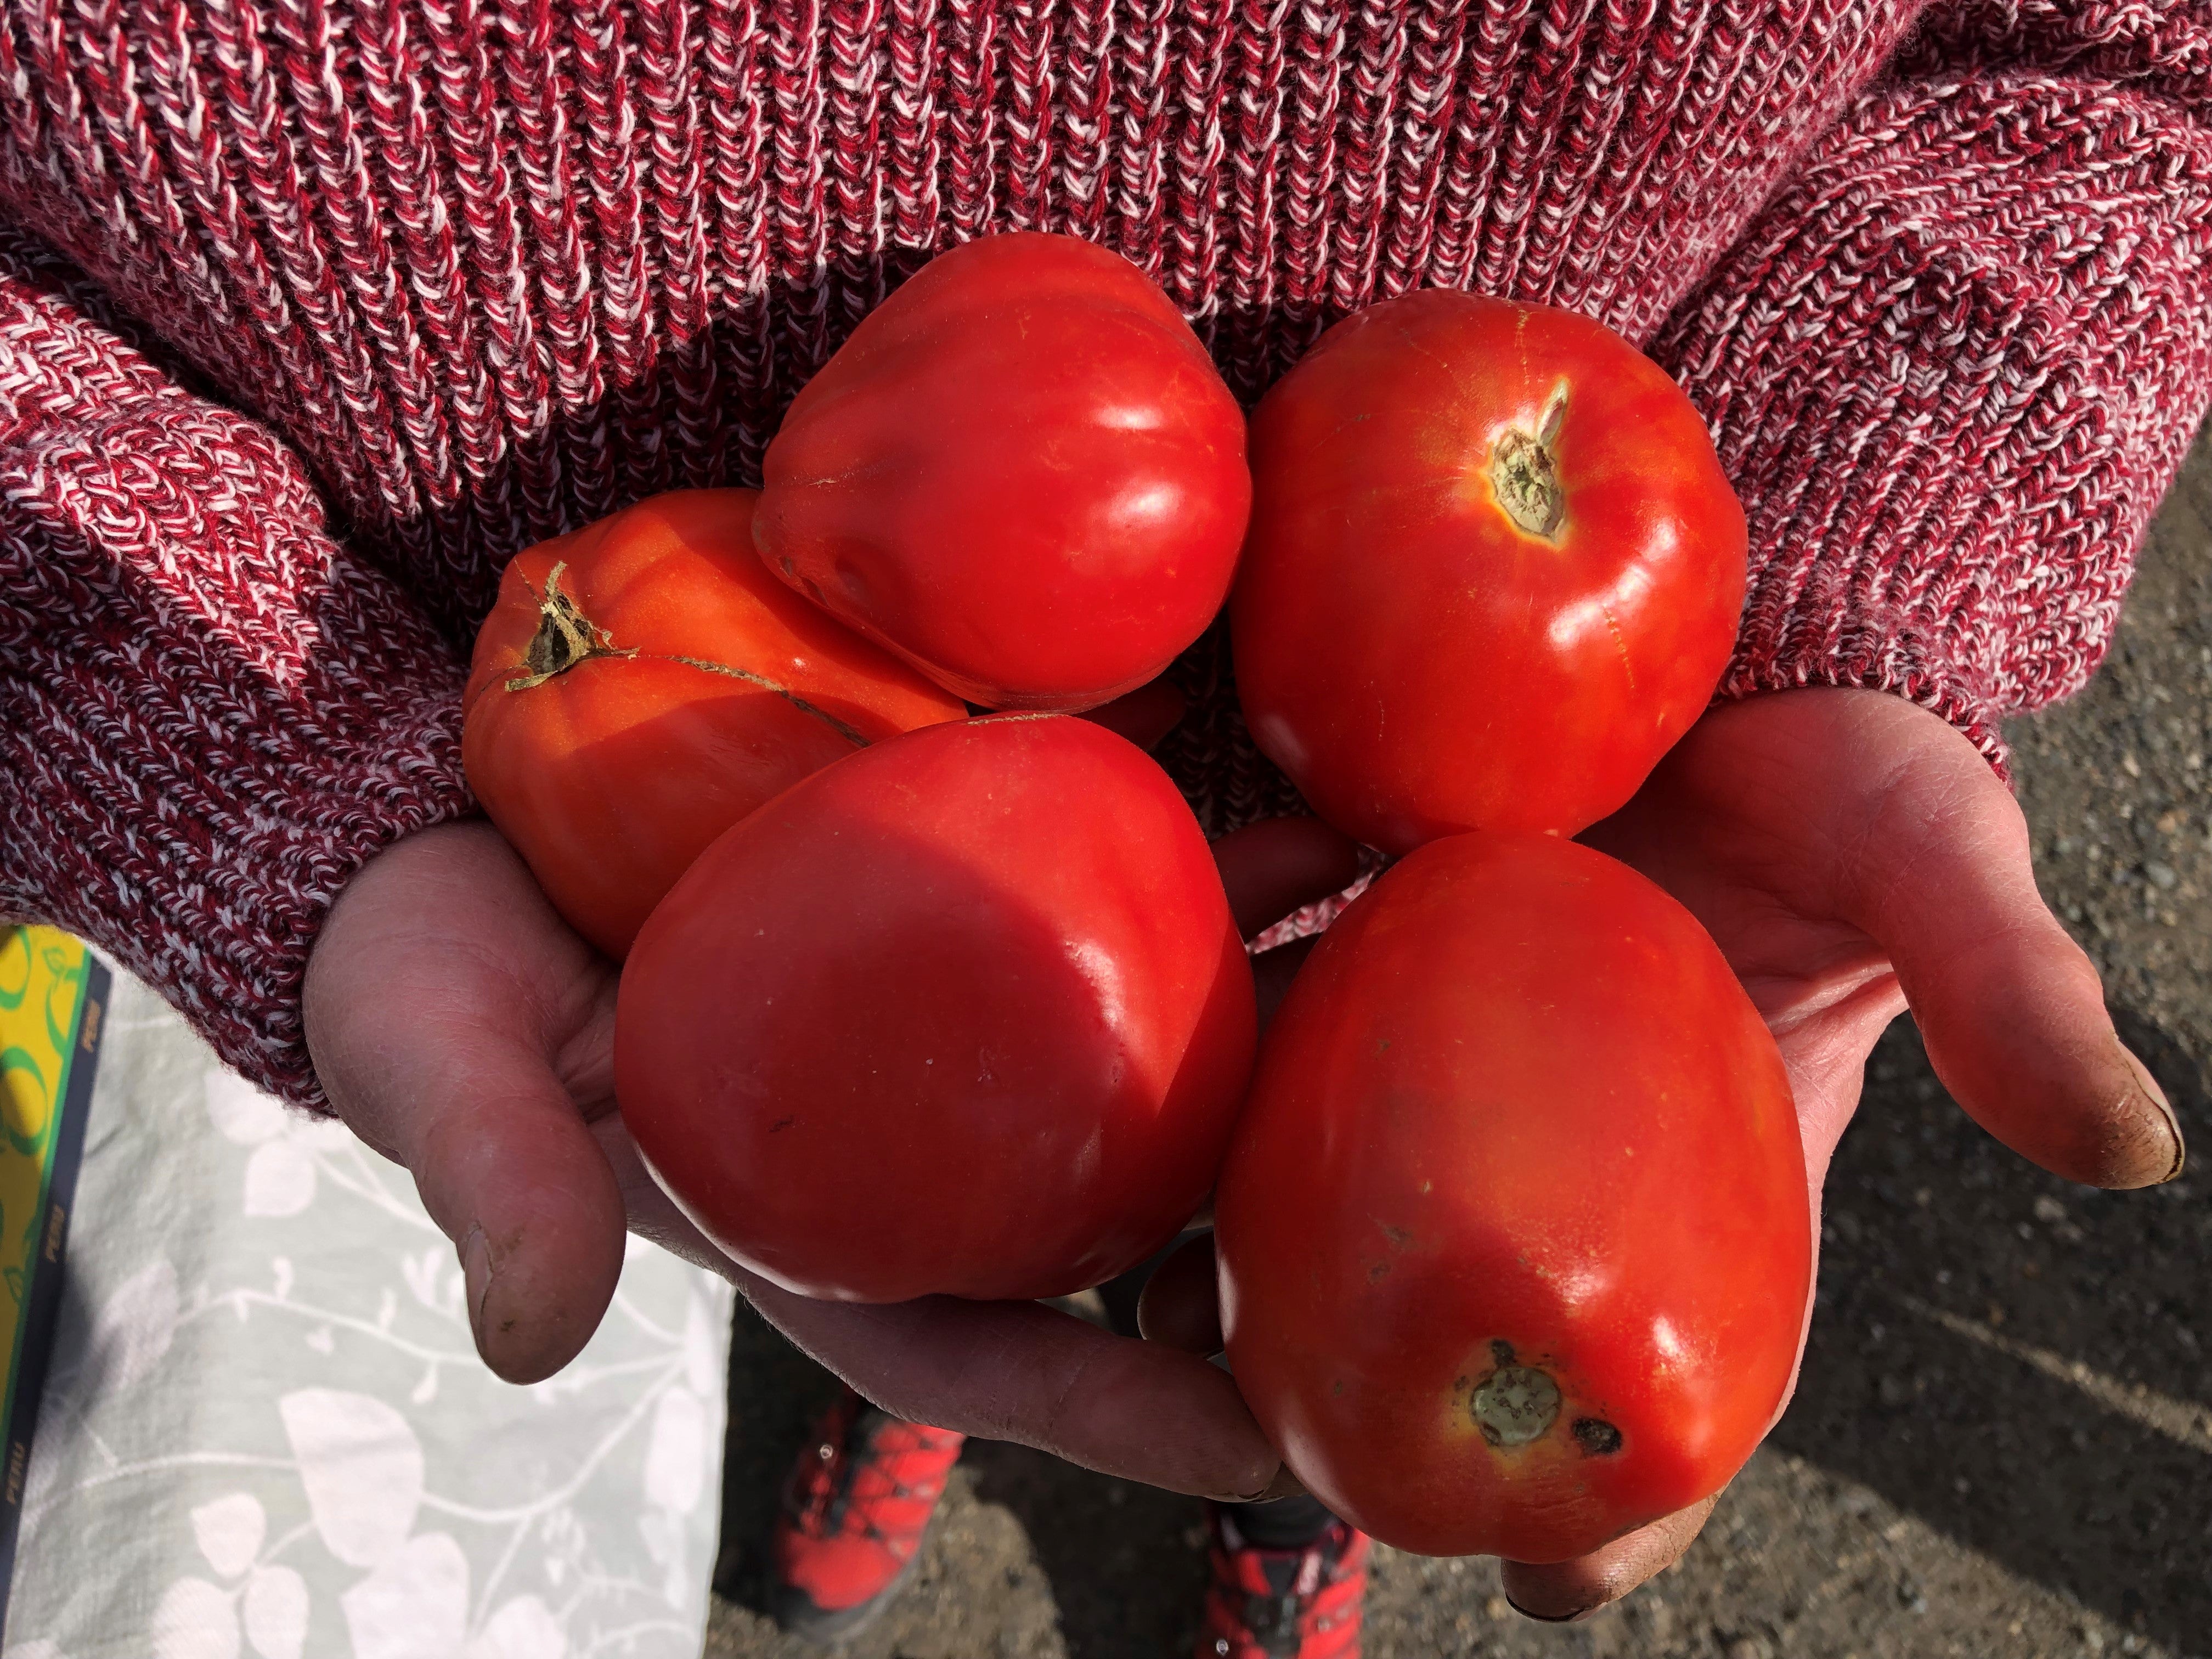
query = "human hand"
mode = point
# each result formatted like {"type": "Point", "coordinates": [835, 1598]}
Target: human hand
{"type": "Point", "coordinates": [463, 1030]}
{"type": "Point", "coordinates": [1854, 855]}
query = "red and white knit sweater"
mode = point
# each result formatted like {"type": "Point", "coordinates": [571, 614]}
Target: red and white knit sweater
{"type": "Point", "coordinates": [311, 313]}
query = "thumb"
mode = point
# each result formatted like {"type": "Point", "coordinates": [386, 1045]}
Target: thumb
{"type": "Point", "coordinates": [509, 1171]}
{"type": "Point", "coordinates": [432, 1040]}
{"type": "Point", "coordinates": [2009, 1006]}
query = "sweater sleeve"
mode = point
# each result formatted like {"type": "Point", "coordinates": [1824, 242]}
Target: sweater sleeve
{"type": "Point", "coordinates": [211, 714]}
{"type": "Point", "coordinates": [1954, 366]}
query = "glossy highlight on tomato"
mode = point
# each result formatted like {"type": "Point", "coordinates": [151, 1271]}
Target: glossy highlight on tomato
{"type": "Point", "coordinates": [1022, 473]}
{"type": "Point", "coordinates": [965, 1013]}
{"type": "Point", "coordinates": [1514, 1234]}
{"type": "Point", "coordinates": [1494, 570]}
{"type": "Point", "coordinates": [642, 684]}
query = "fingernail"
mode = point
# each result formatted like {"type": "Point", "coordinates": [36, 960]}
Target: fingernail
{"type": "Point", "coordinates": [2149, 1084]}
{"type": "Point", "coordinates": [1556, 1618]}
{"type": "Point", "coordinates": [476, 1278]}
{"type": "Point", "coordinates": [1284, 1485]}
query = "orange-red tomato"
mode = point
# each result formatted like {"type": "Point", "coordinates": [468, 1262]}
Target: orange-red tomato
{"type": "Point", "coordinates": [1494, 570]}
{"type": "Point", "coordinates": [1514, 1234]}
{"type": "Point", "coordinates": [1022, 473]}
{"type": "Point", "coordinates": [965, 1012]}
{"type": "Point", "coordinates": [642, 684]}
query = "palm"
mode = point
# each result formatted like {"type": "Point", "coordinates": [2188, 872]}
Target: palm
{"type": "Point", "coordinates": [1851, 854]}
{"type": "Point", "coordinates": [1740, 827]}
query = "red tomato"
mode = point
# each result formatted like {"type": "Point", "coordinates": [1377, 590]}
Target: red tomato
{"type": "Point", "coordinates": [642, 684]}
{"type": "Point", "coordinates": [1022, 473]}
{"type": "Point", "coordinates": [1494, 570]}
{"type": "Point", "coordinates": [965, 1012]}
{"type": "Point", "coordinates": [1514, 1240]}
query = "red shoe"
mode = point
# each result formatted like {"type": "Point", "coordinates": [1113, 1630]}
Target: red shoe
{"type": "Point", "coordinates": [854, 1509]}
{"type": "Point", "coordinates": [1282, 1603]}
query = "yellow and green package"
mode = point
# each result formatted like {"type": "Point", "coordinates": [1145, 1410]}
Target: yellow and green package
{"type": "Point", "coordinates": [52, 993]}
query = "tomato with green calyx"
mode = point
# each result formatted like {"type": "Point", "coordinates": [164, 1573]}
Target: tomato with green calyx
{"type": "Point", "coordinates": [1494, 570]}
{"type": "Point", "coordinates": [965, 1013]}
{"type": "Point", "coordinates": [642, 684]}
{"type": "Point", "coordinates": [1022, 473]}
{"type": "Point", "coordinates": [1514, 1233]}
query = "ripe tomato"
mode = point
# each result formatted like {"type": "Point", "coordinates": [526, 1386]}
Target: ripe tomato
{"type": "Point", "coordinates": [965, 1012]}
{"type": "Point", "coordinates": [1514, 1234]}
{"type": "Point", "coordinates": [1494, 570]}
{"type": "Point", "coordinates": [640, 686]}
{"type": "Point", "coordinates": [1022, 473]}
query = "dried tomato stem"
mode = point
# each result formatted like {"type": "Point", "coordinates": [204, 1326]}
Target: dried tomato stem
{"type": "Point", "coordinates": [1524, 475]}
{"type": "Point", "coordinates": [565, 637]}
{"type": "Point", "coordinates": [851, 734]}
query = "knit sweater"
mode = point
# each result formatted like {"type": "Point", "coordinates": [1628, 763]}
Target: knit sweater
{"type": "Point", "coordinates": [313, 312]}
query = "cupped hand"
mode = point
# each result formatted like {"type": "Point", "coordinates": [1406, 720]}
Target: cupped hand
{"type": "Point", "coordinates": [461, 1028]}
{"type": "Point", "coordinates": [1855, 856]}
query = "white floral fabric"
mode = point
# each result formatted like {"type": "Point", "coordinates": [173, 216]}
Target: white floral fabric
{"type": "Point", "coordinates": [267, 1432]}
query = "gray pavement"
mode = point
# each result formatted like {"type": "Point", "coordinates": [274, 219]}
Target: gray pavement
{"type": "Point", "coordinates": [2002, 1445]}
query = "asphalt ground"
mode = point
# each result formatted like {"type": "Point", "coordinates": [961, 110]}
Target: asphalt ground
{"type": "Point", "coordinates": [2003, 1444]}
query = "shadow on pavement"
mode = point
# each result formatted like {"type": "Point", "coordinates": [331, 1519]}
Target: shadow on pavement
{"type": "Point", "coordinates": [1127, 1563]}
{"type": "Point", "coordinates": [2016, 1359]}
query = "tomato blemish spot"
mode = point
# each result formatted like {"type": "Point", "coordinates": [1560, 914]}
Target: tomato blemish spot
{"type": "Point", "coordinates": [780, 1125]}
{"type": "Point", "coordinates": [1515, 1404]}
{"type": "Point", "coordinates": [1596, 1436]}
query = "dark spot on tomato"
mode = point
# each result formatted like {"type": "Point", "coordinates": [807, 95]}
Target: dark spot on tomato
{"type": "Point", "coordinates": [1337, 1387]}
{"type": "Point", "coordinates": [1596, 1436]}
{"type": "Point", "coordinates": [1501, 1353]}
{"type": "Point", "coordinates": [780, 1125]}
{"type": "Point", "coordinates": [1377, 1274]}
{"type": "Point", "coordinates": [814, 591]}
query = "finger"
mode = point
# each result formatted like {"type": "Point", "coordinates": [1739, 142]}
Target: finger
{"type": "Point", "coordinates": [1564, 1590]}
{"type": "Point", "coordinates": [2009, 1006]}
{"type": "Point", "coordinates": [438, 1059]}
{"type": "Point", "coordinates": [1181, 1306]}
{"type": "Point", "coordinates": [1025, 1372]}
{"type": "Point", "coordinates": [1144, 715]}
{"type": "Point", "coordinates": [1280, 865]}
{"type": "Point", "coordinates": [1005, 1370]}
{"type": "Point", "coordinates": [510, 1172]}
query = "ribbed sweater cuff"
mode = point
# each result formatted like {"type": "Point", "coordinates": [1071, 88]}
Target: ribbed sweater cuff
{"type": "Point", "coordinates": [212, 714]}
